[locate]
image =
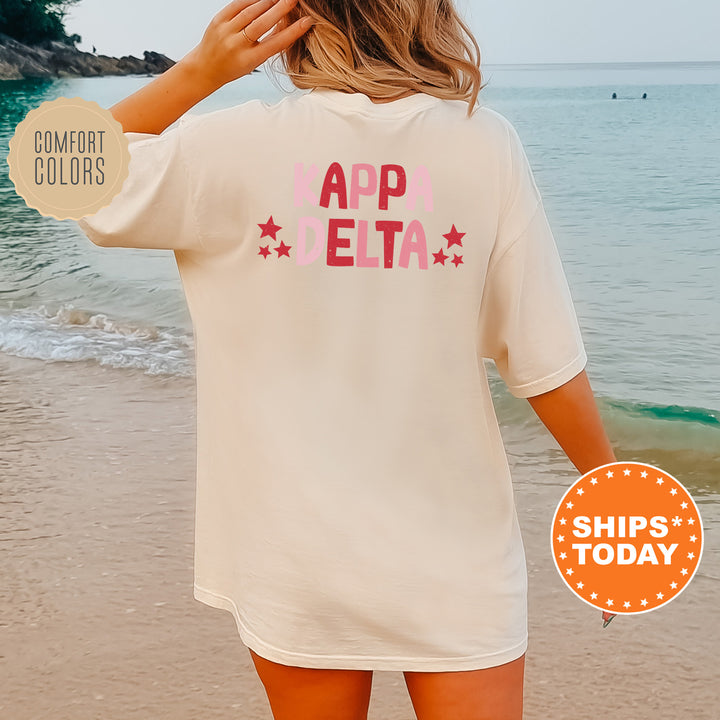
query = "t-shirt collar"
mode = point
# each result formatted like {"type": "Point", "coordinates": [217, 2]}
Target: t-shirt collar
{"type": "Point", "coordinates": [361, 103]}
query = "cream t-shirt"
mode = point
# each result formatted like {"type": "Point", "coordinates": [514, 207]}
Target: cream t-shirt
{"type": "Point", "coordinates": [347, 266]}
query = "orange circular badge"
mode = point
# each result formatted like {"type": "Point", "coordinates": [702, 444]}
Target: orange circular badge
{"type": "Point", "coordinates": [627, 538]}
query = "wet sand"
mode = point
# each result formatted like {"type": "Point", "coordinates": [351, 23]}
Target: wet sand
{"type": "Point", "coordinates": [97, 615]}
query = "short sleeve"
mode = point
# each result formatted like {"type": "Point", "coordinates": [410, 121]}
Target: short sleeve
{"type": "Point", "coordinates": [527, 320]}
{"type": "Point", "coordinates": [155, 209]}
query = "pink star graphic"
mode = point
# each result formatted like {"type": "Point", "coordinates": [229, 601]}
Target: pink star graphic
{"type": "Point", "coordinates": [269, 229]}
{"type": "Point", "coordinates": [264, 250]}
{"type": "Point", "coordinates": [283, 249]}
{"type": "Point", "coordinates": [440, 257]}
{"type": "Point", "coordinates": [454, 237]}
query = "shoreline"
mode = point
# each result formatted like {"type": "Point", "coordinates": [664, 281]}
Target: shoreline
{"type": "Point", "coordinates": [98, 473]}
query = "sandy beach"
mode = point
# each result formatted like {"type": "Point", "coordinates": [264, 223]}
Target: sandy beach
{"type": "Point", "coordinates": [99, 621]}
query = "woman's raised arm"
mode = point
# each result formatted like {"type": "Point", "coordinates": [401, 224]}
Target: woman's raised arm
{"type": "Point", "coordinates": [228, 50]}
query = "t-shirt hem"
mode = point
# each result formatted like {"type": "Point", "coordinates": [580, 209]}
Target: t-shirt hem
{"type": "Point", "coordinates": [356, 662]}
{"type": "Point", "coordinates": [550, 382]}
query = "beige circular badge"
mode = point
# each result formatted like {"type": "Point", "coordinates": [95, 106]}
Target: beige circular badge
{"type": "Point", "coordinates": [68, 158]}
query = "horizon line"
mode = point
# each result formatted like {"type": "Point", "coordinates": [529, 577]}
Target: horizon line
{"type": "Point", "coordinates": [605, 62]}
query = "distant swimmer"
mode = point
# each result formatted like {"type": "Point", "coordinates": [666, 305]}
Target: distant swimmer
{"type": "Point", "coordinates": [614, 96]}
{"type": "Point", "coordinates": [644, 96]}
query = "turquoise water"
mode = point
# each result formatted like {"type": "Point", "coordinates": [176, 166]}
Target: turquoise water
{"type": "Point", "coordinates": [632, 190]}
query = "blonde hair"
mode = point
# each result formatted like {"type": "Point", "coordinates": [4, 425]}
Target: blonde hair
{"type": "Point", "coordinates": [384, 48]}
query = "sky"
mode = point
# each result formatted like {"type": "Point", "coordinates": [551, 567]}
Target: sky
{"type": "Point", "coordinates": [508, 31]}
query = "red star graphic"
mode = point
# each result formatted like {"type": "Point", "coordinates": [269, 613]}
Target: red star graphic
{"type": "Point", "coordinates": [457, 259]}
{"type": "Point", "coordinates": [269, 229]}
{"type": "Point", "coordinates": [454, 237]}
{"type": "Point", "coordinates": [440, 257]}
{"type": "Point", "coordinates": [264, 250]}
{"type": "Point", "coordinates": [283, 249]}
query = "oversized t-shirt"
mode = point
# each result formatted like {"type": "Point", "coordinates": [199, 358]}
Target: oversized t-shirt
{"type": "Point", "coordinates": [347, 266]}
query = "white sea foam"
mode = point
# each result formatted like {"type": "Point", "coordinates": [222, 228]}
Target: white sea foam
{"type": "Point", "coordinates": [72, 334]}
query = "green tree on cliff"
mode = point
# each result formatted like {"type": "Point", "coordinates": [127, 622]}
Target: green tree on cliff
{"type": "Point", "coordinates": [32, 21]}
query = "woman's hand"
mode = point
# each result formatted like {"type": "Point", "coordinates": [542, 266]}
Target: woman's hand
{"type": "Point", "coordinates": [231, 46]}
{"type": "Point", "coordinates": [224, 54]}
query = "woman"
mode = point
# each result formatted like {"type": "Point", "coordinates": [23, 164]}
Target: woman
{"type": "Point", "coordinates": [349, 256]}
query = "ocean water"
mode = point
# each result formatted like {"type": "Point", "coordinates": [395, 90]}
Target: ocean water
{"type": "Point", "coordinates": [631, 187]}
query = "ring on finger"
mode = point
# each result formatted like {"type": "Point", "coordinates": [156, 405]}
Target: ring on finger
{"type": "Point", "coordinates": [252, 42]}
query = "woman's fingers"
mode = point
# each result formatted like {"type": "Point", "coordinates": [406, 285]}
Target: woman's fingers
{"type": "Point", "coordinates": [244, 19]}
{"type": "Point", "coordinates": [224, 54]}
{"type": "Point", "coordinates": [265, 20]}
{"type": "Point", "coordinates": [282, 39]}
{"type": "Point", "coordinates": [232, 9]}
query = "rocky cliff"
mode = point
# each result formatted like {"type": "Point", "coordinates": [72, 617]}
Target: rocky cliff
{"type": "Point", "coordinates": [53, 59]}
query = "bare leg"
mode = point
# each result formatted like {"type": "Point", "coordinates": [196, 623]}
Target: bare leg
{"type": "Point", "coordinates": [297, 693]}
{"type": "Point", "coordinates": [490, 694]}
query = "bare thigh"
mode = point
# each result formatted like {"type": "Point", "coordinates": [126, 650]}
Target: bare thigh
{"type": "Point", "coordinates": [490, 694]}
{"type": "Point", "coordinates": [297, 693]}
